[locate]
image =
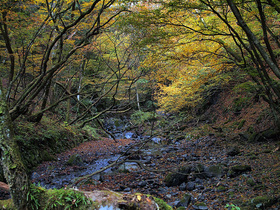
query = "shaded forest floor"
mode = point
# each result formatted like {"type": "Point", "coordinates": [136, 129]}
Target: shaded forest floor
{"type": "Point", "coordinates": [219, 137]}
{"type": "Point", "coordinates": [263, 178]}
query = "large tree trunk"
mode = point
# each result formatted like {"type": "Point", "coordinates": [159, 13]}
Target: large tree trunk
{"type": "Point", "coordinates": [13, 167]}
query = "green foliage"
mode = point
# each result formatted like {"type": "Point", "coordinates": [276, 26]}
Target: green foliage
{"type": "Point", "coordinates": [162, 205]}
{"type": "Point", "coordinates": [7, 204]}
{"type": "Point", "coordinates": [33, 196]}
{"type": "Point", "coordinates": [140, 117]}
{"type": "Point", "coordinates": [240, 103]}
{"type": "Point", "coordinates": [74, 160]}
{"type": "Point", "coordinates": [232, 207]}
{"type": "Point", "coordinates": [91, 131]}
{"type": "Point", "coordinates": [39, 142]}
{"type": "Point", "coordinates": [248, 87]}
{"type": "Point", "coordinates": [67, 199]}
{"type": "Point", "coordinates": [241, 124]}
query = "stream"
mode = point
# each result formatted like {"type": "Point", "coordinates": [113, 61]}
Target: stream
{"type": "Point", "coordinates": [58, 174]}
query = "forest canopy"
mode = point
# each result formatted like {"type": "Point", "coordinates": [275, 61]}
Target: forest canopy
{"type": "Point", "coordinates": [79, 60]}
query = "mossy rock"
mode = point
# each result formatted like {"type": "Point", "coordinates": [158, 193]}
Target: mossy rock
{"type": "Point", "coordinates": [241, 168]}
{"type": "Point", "coordinates": [185, 200]}
{"type": "Point", "coordinates": [214, 171]}
{"type": "Point", "coordinates": [238, 169]}
{"type": "Point", "coordinates": [177, 178]}
{"type": "Point", "coordinates": [263, 201]}
{"type": "Point", "coordinates": [251, 182]}
{"type": "Point", "coordinates": [264, 135]}
{"type": "Point", "coordinates": [233, 151]}
{"type": "Point", "coordinates": [199, 171]}
{"type": "Point", "coordinates": [74, 159]}
{"type": "Point", "coordinates": [260, 187]}
{"type": "Point", "coordinates": [162, 204]}
{"type": "Point", "coordinates": [200, 205]}
{"type": "Point", "coordinates": [221, 188]}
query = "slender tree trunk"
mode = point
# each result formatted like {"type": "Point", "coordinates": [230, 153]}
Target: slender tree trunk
{"type": "Point", "coordinates": [137, 97]}
{"type": "Point", "coordinates": [68, 102]}
{"type": "Point", "coordinates": [5, 34]}
{"type": "Point", "coordinates": [13, 167]}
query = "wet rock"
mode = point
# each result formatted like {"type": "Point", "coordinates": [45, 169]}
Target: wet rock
{"type": "Point", "coordinates": [127, 189]}
{"type": "Point", "coordinates": [147, 160]}
{"type": "Point", "coordinates": [200, 187]}
{"type": "Point", "coordinates": [177, 178]}
{"type": "Point", "coordinates": [129, 135]}
{"type": "Point", "coordinates": [198, 181]}
{"type": "Point", "coordinates": [183, 186]}
{"type": "Point", "coordinates": [156, 140]}
{"type": "Point", "coordinates": [233, 151]}
{"type": "Point", "coordinates": [238, 170]}
{"type": "Point", "coordinates": [186, 157]}
{"type": "Point", "coordinates": [201, 198]}
{"type": "Point", "coordinates": [142, 184]}
{"type": "Point", "coordinates": [190, 186]}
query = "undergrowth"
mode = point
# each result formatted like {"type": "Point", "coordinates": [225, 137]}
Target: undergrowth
{"type": "Point", "coordinates": [67, 199]}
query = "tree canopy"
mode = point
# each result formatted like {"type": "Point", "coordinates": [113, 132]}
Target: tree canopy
{"type": "Point", "coordinates": [104, 56]}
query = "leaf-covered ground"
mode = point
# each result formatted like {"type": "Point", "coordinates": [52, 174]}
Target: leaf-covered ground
{"type": "Point", "coordinates": [158, 160]}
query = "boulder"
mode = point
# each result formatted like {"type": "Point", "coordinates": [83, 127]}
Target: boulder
{"type": "Point", "coordinates": [177, 178]}
{"type": "Point", "coordinates": [190, 186]}
{"type": "Point", "coordinates": [233, 151]}
{"type": "Point", "coordinates": [185, 201]}
{"type": "Point", "coordinates": [214, 171]}
{"type": "Point", "coordinates": [75, 159]}
{"type": "Point", "coordinates": [199, 171]}
{"type": "Point", "coordinates": [238, 170]}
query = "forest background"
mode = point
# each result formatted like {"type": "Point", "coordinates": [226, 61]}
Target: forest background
{"type": "Point", "coordinates": [72, 64]}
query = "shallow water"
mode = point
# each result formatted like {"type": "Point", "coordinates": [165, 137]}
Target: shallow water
{"type": "Point", "coordinates": [56, 179]}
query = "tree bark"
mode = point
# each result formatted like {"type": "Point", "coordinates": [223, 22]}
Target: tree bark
{"type": "Point", "coordinates": [13, 167]}
{"type": "Point", "coordinates": [253, 38]}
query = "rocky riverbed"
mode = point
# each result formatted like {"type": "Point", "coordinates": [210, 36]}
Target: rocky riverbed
{"type": "Point", "coordinates": [205, 173]}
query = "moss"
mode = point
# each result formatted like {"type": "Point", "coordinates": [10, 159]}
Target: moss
{"type": "Point", "coordinates": [241, 168]}
{"type": "Point", "coordinates": [251, 182]}
{"type": "Point", "coordinates": [162, 205]}
{"type": "Point", "coordinates": [263, 201]}
{"type": "Point", "coordinates": [241, 124]}
{"type": "Point", "coordinates": [266, 151]}
{"type": "Point", "coordinates": [39, 142]}
{"type": "Point", "coordinates": [253, 157]}
{"type": "Point", "coordinates": [7, 204]}
{"type": "Point", "coordinates": [260, 187]}
{"type": "Point", "coordinates": [277, 172]}
{"type": "Point", "coordinates": [221, 188]}
{"type": "Point", "coordinates": [200, 204]}
{"type": "Point", "coordinates": [231, 194]}
{"type": "Point", "coordinates": [74, 160]}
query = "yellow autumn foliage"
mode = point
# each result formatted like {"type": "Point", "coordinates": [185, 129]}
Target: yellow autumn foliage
{"type": "Point", "coordinates": [192, 58]}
